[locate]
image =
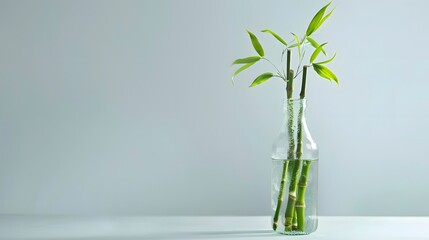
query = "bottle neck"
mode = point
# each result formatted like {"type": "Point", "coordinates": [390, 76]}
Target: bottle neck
{"type": "Point", "coordinates": [294, 114]}
{"type": "Point", "coordinates": [294, 105]}
{"type": "Point", "coordinates": [295, 126]}
{"type": "Point", "coordinates": [294, 140]}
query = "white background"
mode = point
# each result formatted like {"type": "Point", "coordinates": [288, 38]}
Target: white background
{"type": "Point", "coordinates": [126, 107]}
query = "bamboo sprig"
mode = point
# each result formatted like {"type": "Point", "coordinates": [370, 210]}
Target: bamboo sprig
{"type": "Point", "coordinates": [294, 164]}
{"type": "Point", "coordinates": [297, 42]}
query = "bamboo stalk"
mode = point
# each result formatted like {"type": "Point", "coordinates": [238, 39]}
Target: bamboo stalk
{"type": "Point", "coordinates": [300, 199]}
{"type": "Point", "coordinates": [281, 194]}
{"type": "Point", "coordinates": [291, 114]}
{"type": "Point", "coordinates": [304, 82]}
{"type": "Point", "coordinates": [285, 163]}
{"type": "Point", "coordinates": [290, 72]}
{"type": "Point", "coordinates": [299, 149]}
{"type": "Point", "coordinates": [294, 221]}
{"type": "Point", "coordinates": [302, 184]}
{"type": "Point", "coordinates": [290, 208]}
{"type": "Point", "coordinates": [291, 215]}
{"type": "Point", "coordinates": [291, 156]}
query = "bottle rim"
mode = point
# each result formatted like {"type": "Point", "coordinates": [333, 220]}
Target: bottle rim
{"type": "Point", "coordinates": [295, 99]}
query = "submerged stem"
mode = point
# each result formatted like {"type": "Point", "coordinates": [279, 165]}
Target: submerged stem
{"type": "Point", "coordinates": [290, 208]}
{"type": "Point", "coordinates": [281, 194]}
{"type": "Point", "coordinates": [300, 199]}
{"type": "Point", "coordinates": [295, 221]}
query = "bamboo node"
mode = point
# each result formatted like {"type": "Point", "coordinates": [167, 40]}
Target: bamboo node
{"type": "Point", "coordinates": [275, 225]}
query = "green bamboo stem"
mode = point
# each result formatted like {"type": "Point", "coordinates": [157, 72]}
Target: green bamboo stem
{"type": "Point", "coordinates": [300, 199]}
{"type": "Point", "coordinates": [285, 163]}
{"type": "Point", "coordinates": [302, 184]}
{"type": "Point", "coordinates": [299, 150]}
{"type": "Point", "coordinates": [304, 82]}
{"type": "Point", "coordinates": [291, 216]}
{"type": "Point", "coordinates": [294, 221]}
{"type": "Point", "coordinates": [290, 111]}
{"type": "Point", "coordinates": [290, 208]}
{"type": "Point", "coordinates": [290, 72]}
{"type": "Point", "coordinates": [281, 194]}
{"type": "Point", "coordinates": [291, 157]}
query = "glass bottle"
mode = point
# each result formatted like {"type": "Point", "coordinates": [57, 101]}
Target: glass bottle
{"type": "Point", "coordinates": [294, 174]}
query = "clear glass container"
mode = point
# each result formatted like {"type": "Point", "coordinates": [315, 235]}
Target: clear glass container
{"type": "Point", "coordinates": [294, 174]}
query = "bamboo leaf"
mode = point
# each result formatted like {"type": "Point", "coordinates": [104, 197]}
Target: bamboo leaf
{"type": "Point", "coordinates": [316, 21]}
{"type": "Point", "coordinates": [324, 19]}
{"type": "Point", "coordinates": [256, 45]}
{"type": "Point", "coordinates": [261, 78]}
{"type": "Point", "coordinates": [276, 36]}
{"type": "Point", "coordinates": [315, 44]}
{"type": "Point", "coordinates": [325, 72]}
{"type": "Point", "coordinates": [246, 60]}
{"type": "Point", "coordinates": [327, 61]}
{"type": "Point", "coordinates": [298, 42]}
{"type": "Point", "coordinates": [293, 46]}
{"type": "Point", "coordinates": [244, 67]}
{"type": "Point", "coordinates": [316, 52]}
{"type": "Point", "coordinates": [296, 45]}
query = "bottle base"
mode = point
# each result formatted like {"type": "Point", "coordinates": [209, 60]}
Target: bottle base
{"type": "Point", "coordinates": [281, 230]}
{"type": "Point", "coordinates": [293, 233]}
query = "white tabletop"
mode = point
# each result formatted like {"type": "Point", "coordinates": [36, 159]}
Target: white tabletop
{"type": "Point", "coordinates": [159, 228]}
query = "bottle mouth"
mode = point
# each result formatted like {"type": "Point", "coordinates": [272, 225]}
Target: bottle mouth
{"type": "Point", "coordinates": [295, 100]}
